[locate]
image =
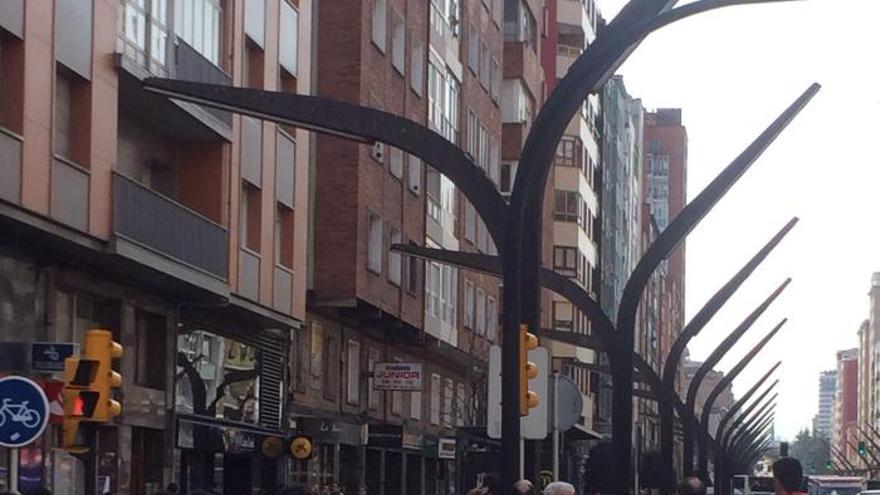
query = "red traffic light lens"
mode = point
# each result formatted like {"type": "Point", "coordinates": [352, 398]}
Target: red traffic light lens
{"type": "Point", "coordinates": [78, 405]}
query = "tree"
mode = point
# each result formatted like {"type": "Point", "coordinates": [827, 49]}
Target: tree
{"type": "Point", "coordinates": [813, 452]}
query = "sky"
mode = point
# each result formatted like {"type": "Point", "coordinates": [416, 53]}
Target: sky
{"type": "Point", "coordinates": [732, 72]}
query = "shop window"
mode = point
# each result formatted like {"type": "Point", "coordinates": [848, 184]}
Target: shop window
{"type": "Point", "coordinates": [216, 376]}
{"type": "Point", "coordinates": [150, 362]}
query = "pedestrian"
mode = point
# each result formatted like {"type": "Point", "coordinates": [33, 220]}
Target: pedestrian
{"type": "Point", "coordinates": [524, 487]}
{"type": "Point", "coordinates": [559, 488]}
{"type": "Point", "coordinates": [691, 485]}
{"type": "Point", "coordinates": [172, 489]}
{"type": "Point", "coordinates": [787, 476]}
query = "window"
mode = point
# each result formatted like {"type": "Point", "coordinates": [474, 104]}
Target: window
{"type": "Point", "coordinates": [150, 355]}
{"type": "Point", "coordinates": [473, 131]}
{"type": "Point", "coordinates": [448, 402]}
{"type": "Point", "coordinates": [64, 127]}
{"type": "Point", "coordinates": [483, 150]}
{"type": "Point", "coordinates": [468, 304]}
{"type": "Point", "coordinates": [482, 236]}
{"type": "Point", "coordinates": [496, 77]}
{"type": "Point", "coordinates": [432, 289]}
{"type": "Point", "coordinates": [140, 17]}
{"type": "Point", "coordinates": [396, 162]}
{"type": "Point", "coordinates": [485, 65]}
{"type": "Point", "coordinates": [394, 268]}
{"type": "Point", "coordinates": [398, 42]}
{"type": "Point", "coordinates": [288, 39]}
{"type": "Point", "coordinates": [331, 367]}
{"type": "Point", "coordinates": [372, 395]}
{"type": "Point", "coordinates": [353, 382]}
{"type": "Point", "coordinates": [414, 168]}
{"type": "Point", "coordinates": [374, 248]}
{"type": "Point", "coordinates": [570, 152]}
{"type": "Point", "coordinates": [568, 206]}
{"type": "Point", "coordinates": [416, 67]}
{"type": "Point", "coordinates": [481, 312]}
{"type": "Point", "coordinates": [473, 49]}
{"type": "Point", "coordinates": [412, 274]}
{"type": "Point", "coordinates": [283, 236]}
{"type": "Point", "coordinates": [519, 24]}
{"type": "Point", "coordinates": [461, 406]}
{"type": "Point", "coordinates": [470, 222]}
{"type": "Point", "coordinates": [563, 316]}
{"type": "Point", "coordinates": [517, 104]}
{"type": "Point", "coordinates": [380, 19]}
{"type": "Point", "coordinates": [491, 319]}
{"type": "Point", "coordinates": [249, 217]}
{"type": "Point", "coordinates": [565, 260]}
{"type": "Point", "coordinates": [435, 399]}
{"type": "Point", "coordinates": [415, 405]}
{"type": "Point", "coordinates": [198, 23]}
{"type": "Point", "coordinates": [508, 175]}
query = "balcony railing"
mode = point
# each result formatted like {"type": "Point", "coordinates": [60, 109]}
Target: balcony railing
{"type": "Point", "coordinates": [160, 223]}
{"type": "Point", "coordinates": [10, 166]}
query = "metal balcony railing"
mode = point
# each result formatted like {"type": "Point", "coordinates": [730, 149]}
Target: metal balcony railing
{"type": "Point", "coordinates": [161, 224]}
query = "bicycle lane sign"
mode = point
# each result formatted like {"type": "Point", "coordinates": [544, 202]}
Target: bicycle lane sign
{"type": "Point", "coordinates": [24, 411]}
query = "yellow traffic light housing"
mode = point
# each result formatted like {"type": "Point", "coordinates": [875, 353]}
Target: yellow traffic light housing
{"type": "Point", "coordinates": [89, 381]}
{"type": "Point", "coordinates": [527, 370]}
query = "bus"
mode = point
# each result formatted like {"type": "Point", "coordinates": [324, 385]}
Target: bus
{"type": "Point", "coordinates": [834, 485]}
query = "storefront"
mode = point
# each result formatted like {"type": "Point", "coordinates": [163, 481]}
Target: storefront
{"type": "Point", "coordinates": [227, 405]}
{"type": "Point", "coordinates": [337, 454]}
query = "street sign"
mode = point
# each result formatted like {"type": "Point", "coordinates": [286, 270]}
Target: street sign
{"type": "Point", "coordinates": [569, 403]}
{"type": "Point", "coordinates": [50, 356]}
{"type": "Point", "coordinates": [397, 376]}
{"type": "Point", "coordinates": [534, 426]}
{"type": "Point", "coordinates": [24, 411]}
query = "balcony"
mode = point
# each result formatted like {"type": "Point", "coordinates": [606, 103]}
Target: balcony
{"type": "Point", "coordinates": [166, 227]}
{"type": "Point", "coordinates": [10, 166]}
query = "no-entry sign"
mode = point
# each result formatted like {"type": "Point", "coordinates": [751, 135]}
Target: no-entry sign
{"type": "Point", "coordinates": [397, 376]}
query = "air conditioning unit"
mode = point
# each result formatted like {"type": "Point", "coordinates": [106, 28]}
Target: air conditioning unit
{"type": "Point", "coordinates": [379, 152]}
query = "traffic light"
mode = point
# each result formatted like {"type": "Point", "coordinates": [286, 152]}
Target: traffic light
{"type": "Point", "coordinates": [88, 383]}
{"type": "Point", "coordinates": [828, 464]}
{"type": "Point", "coordinates": [862, 449]}
{"type": "Point", "coordinates": [527, 370]}
{"type": "Point", "coordinates": [100, 347]}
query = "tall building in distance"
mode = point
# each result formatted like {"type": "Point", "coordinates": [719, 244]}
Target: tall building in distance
{"type": "Point", "coordinates": [827, 391]}
{"type": "Point", "coordinates": [870, 341]}
{"type": "Point", "coordinates": [845, 410]}
{"type": "Point", "coordinates": [664, 190]}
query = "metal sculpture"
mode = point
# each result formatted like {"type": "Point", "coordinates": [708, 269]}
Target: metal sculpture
{"type": "Point", "coordinates": [722, 384]}
{"type": "Point", "coordinates": [515, 227]}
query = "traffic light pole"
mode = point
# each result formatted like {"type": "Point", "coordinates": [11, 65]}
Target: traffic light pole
{"type": "Point", "coordinates": [89, 459]}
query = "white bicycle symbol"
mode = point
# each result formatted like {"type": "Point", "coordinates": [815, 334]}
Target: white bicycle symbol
{"type": "Point", "coordinates": [19, 413]}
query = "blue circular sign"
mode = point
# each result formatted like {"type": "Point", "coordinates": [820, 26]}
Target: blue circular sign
{"type": "Point", "coordinates": [24, 411]}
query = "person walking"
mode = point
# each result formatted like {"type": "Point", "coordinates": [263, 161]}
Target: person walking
{"type": "Point", "coordinates": [559, 488]}
{"type": "Point", "coordinates": [788, 475]}
{"type": "Point", "coordinates": [524, 487]}
{"type": "Point", "coordinates": [691, 485]}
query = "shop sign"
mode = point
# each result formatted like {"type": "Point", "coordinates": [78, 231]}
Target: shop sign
{"type": "Point", "coordinates": [397, 376]}
{"type": "Point", "coordinates": [50, 356]}
{"type": "Point", "coordinates": [412, 440]}
{"type": "Point", "coordinates": [332, 431]}
{"type": "Point", "coordinates": [385, 436]}
{"type": "Point", "coordinates": [429, 447]}
{"type": "Point", "coordinates": [446, 448]}
{"type": "Point", "coordinates": [238, 441]}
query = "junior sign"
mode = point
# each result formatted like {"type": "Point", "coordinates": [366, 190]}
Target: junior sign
{"type": "Point", "coordinates": [397, 376]}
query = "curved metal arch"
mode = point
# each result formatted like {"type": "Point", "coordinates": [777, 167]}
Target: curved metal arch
{"type": "Point", "coordinates": [841, 457]}
{"type": "Point", "coordinates": [749, 442]}
{"type": "Point", "coordinates": [724, 382]}
{"type": "Point", "coordinates": [357, 123]}
{"type": "Point", "coordinates": [725, 458]}
{"type": "Point", "coordinates": [722, 425]}
{"type": "Point", "coordinates": [767, 411]}
{"type": "Point", "coordinates": [709, 364]}
{"type": "Point", "coordinates": [736, 432]}
{"type": "Point", "coordinates": [694, 326]}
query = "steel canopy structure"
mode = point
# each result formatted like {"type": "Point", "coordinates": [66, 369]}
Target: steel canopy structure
{"type": "Point", "coordinates": [515, 226]}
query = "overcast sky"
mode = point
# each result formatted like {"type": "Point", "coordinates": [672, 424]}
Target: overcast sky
{"type": "Point", "coordinates": [732, 71]}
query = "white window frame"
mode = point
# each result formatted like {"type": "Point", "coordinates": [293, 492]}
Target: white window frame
{"type": "Point", "coordinates": [374, 243]}
{"type": "Point", "coordinates": [398, 42]}
{"type": "Point", "coordinates": [288, 56]}
{"type": "Point", "coordinates": [379, 33]}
